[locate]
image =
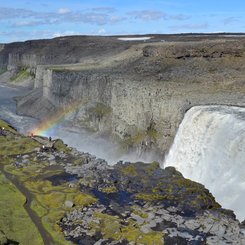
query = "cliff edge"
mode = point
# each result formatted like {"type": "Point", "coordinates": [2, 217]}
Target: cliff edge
{"type": "Point", "coordinates": [133, 91]}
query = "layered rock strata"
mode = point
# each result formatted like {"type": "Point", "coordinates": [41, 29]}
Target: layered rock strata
{"type": "Point", "coordinates": [137, 92]}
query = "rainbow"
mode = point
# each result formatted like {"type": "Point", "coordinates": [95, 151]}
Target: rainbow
{"type": "Point", "coordinates": [48, 126]}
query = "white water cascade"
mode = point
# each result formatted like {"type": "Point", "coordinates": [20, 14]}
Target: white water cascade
{"type": "Point", "coordinates": [209, 148]}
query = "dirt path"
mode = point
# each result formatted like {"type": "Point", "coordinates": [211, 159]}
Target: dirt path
{"type": "Point", "coordinates": [47, 239]}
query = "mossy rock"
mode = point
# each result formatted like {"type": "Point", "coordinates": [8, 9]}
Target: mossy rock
{"type": "Point", "coordinates": [111, 227]}
{"type": "Point", "coordinates": [23, 74]}
{"type": "Point", "coordinates": [61, 146]}
{"type": "Point", "coordinates": [100, 110]}
{"type": "Point", "coordinates": [83, 199]}
{"type": "Point", "coordinates": [153, 166]}
{"type": "Point", "coordinates": [13, 143]}
{"type": "Point", "coordinates": [142, 137]}
{"type": "Point", "coordinates": [129, 170]}
{"type": "Point", "coordinates": [3, 70]}
{"type": "Point", "coordinates": [134, 140]}
{"type": "Point", "coordinates": [7, 127]}
{"type": "Point", "coordinates": [3, 238]}
{"type": "Point", "coordinates": [110, 189]}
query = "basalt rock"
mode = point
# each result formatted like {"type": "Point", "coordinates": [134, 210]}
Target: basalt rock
{"type": "Point", "coordinates": [128, 203]}
{"type": "Point", "coordinates": [121, 89]}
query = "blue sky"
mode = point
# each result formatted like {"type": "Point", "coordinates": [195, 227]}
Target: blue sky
{"type": "Point", "coordinates": [35, 19]}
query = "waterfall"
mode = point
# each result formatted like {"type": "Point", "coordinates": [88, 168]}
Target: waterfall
{"type": "Point", "coordinates": [209, 148]}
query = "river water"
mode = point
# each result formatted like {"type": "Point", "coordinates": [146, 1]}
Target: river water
{"type": "Point", "coordinates": [209, 148]}
{"type": "Point", "coordinates": [8, 109]}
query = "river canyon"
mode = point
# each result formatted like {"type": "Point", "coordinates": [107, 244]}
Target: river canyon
{"type": "Point", "coordinates": [175, 99]}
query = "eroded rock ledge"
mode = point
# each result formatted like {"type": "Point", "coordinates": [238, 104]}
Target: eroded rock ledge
{"type": "Point", "coordinates": [83, 199]}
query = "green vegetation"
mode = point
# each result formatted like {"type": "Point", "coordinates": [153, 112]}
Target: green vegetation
{"type": "Point", "coordinates": [134, 140]}
{"type": "Point", "coordinates": [60, 146]}
{"type": "Point", "coordinates": [7, 127]}
{"type": "Point", "coordinates": [203, 197]}
{"type": "Point", "coordinates": [23, 74]}
{"type": "Point", "coordinates": [138, 211]}
{"type": "Point", "coordinates": [111, 189]}
{"type": "Point", "coordinates": [152, 134]}
{"type": "Point", "coordinates": [100, 110]}
{"type": "Point", "coordinates": [49, 204]}
{"type": "Point", "coordinates": [3, 238]}
{"type": "Point", "coordinates": [59, 69]}
{"type": "Point", "coordinates": [130, 170]}
{"type": "Point", "coordinates": [153, 166]}
{"type": "Point", "coordinates": [141, 137]}
{"type": "Point", "coordinates": [20, 145]}
{"type": "Point", "coordinates": [13, 143]}
{"type": "Point", "coordinates": [14, 220]}
{"type": "Point", "coordinates": [111, 227]}
{"type": "Point", "coordinates": [3, 70]}
{"type": "Point", "coordinates": [47, 200]}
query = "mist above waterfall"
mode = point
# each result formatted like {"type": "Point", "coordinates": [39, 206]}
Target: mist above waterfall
{"type": "Point", "coordinates": [86, 141]}
{"type": "Point", "coordinates": [78, 138]}
{"type": "Point", "coordinates": [209, 148]}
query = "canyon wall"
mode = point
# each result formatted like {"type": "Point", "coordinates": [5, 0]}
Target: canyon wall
{"type": "Point", "coordinates": [142, 112]}
{"type": "Point", "coordinates": [137, 93]}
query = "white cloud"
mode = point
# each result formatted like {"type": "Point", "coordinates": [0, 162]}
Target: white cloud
{"type": "Point", "coordinates": [66, 33]}
{"type": "Point", "coordinates": [104, 9]}
{"type": "Point", "coordinates": [179, 17]}
{"type": "Point", "coordinates": [26, 23]}
{"type": "Point", "coordinates": [102, 31]}
{"type": "Point", "coordinates": [148, 15]}
{"type": "Point", "coordinates": [115, 19]}
{"type": "Point", "coordinates": [21, 17]}
{"type": "Point", "coordinates": [64, 11]}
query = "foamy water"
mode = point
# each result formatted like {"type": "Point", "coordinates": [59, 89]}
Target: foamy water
{"type": "Point", "coordinates": [210, 148]}
{"type": "Point", "coordinates": [8, 109]}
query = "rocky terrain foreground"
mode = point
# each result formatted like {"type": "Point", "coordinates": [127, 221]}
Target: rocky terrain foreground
{"type": "Point", "coordinates": [134, 92]}
{"type": "Point", "coordinates": [68, 197]}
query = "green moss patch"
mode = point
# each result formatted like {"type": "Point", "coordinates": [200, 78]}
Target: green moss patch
{"type": "Point", "coordinates": [12, 143]}
{"type": "Point", "coordinates": [111, 227]}
{"type": "Point", "coordinates": [14, 215]}
{"type": "Point", "coordinates": [3, 70]}
{"type": "Point", "coordinates": [61, 146]}
{"type": "Point", "coordinates": [23, 74]}
{"type": "Point", "coordinates": [100, 110]}
{"type": "Point", "coordinates": [49, 201]}
{"type": "Point", "coordinates": [130, 170]}
{"type": "Point", "coordinates": [141, 137]}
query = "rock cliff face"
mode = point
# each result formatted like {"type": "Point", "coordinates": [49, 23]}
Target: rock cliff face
{"type": "Point", "coordinates": [136, 92]}
{"type": "Point", "coordinates": [66, 50]}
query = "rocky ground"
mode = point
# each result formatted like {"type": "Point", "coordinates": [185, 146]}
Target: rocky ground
{"type": "Point", "coordinates": [82, 200]}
